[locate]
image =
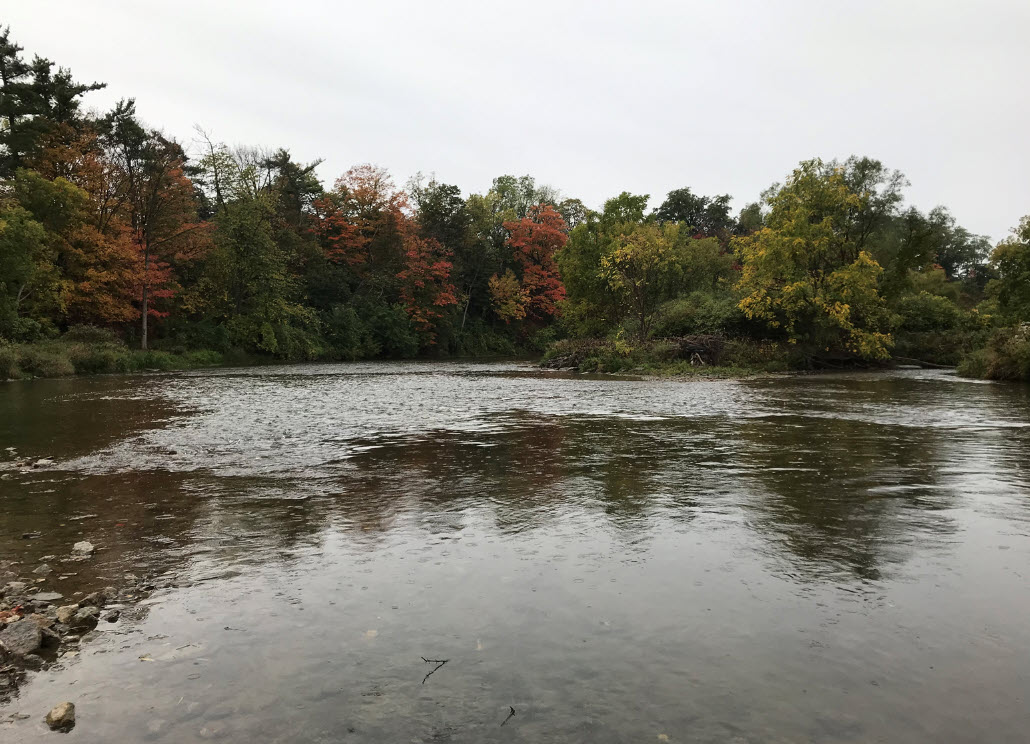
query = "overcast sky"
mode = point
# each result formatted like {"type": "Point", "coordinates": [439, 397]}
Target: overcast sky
{"type": "Point", "coordinates": [591, 97]}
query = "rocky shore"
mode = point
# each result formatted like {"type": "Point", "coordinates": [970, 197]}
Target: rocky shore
{"type": "Point", "coordinates": [40, 627]}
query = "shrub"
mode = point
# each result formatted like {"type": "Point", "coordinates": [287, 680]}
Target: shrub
{"type": "Point", "coordinates": [928, 312]}
{"type": "Point", "coordinates": [44, 363]}
{"type": "Point", "coordinates": [699, 312]}
{"type": "Point", "coordinates": [9, 369]}
{"type": "Point", "coordinates": [1006, 357]}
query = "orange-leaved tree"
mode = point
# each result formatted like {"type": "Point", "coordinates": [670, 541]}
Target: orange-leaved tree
{"type": "Point", "coordinates": [533, 240]}
{"type": "Point", "coordinates": [426, 286]}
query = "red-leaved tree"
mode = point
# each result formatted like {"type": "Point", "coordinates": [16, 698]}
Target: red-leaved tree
{"type": "Point", "coordinates": [426, 287]}
{"type": "Point", "coordinates": [534, 240]}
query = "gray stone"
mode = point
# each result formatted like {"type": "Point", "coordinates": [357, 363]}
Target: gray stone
{"type": "Point", "coordinates": [66, 613]}
{"type": "Point", "coordinates": [47, 596]}
{"type": "Point", "coordinates": [14, 587]}
{"type": "Point", "coordinates": [85, 617]}
{"type": "Point", "coordinates": [83, 548]}
{"type": "Point", "coordinates": [93, 599]}
{"type": "Point", "coordinates": [21, 638]}
{"type": "Point", "coordinates": [112, 616]}
{"type": "Point", "coordinates": [42, 569]}
{"type": "Point", "coordinates": [62, 717]}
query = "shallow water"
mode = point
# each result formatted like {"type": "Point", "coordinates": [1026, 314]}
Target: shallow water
{"type": "Point", "coordinates": [838, 558]}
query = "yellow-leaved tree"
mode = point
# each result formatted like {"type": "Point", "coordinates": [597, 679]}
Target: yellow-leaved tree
{"type": "Point", "coordinates": [807, 271]}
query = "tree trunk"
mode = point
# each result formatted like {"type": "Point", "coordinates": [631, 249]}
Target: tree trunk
{"type": "Point", "coordinates": [146, 271]}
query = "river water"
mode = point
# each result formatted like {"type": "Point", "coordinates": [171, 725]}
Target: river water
{"type": "Point", "coordinates": [838, 558]}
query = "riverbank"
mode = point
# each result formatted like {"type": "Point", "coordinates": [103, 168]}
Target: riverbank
{"type": "Point", "coordinates": [41, 627]}
{"type": "Point", "coordinates": [1005, 357]}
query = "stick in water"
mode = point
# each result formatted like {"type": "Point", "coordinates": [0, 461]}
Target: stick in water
{"type": "Point", "coordinates": [439, 663]}
{"type": "Point", "coordinates": [511, 715]}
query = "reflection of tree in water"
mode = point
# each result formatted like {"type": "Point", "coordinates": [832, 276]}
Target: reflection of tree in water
{"type": "Point", "coordinates": [530, 472]}
{"type": "Point", "coordinates": [841, 494]}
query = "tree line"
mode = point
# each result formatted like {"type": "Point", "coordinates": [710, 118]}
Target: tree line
{"type": "Point", "coordinates": [106, 222]}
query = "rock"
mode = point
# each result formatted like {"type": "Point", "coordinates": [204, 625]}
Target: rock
{"type": "Point", "coordinates": [85, 547]}
{"type": "Point", "coordinates": [21, 638]}
{"type": "Point", "coordinates": [66, 613]}
{"type": "Point", "coordinates": [14, 588]}
{"type": "Point", "coordinates": [43, 462]}
{"type": "Point", "coordinates": [62, 717]}
{"type": "Point", "coordinates": [51, 639]}
{"type": "Point", "coordinates": [42, 569]}
{"type": "Point", "coordinates": [85, 617]}
{"type": "Point", "coordinates": [93, 599]}
{"type": "Point", "coordinates": [112, 616]}
{"type": "Point", "coordinates": [47, 596]}
{"type": "Point", "coordinates": [41, 620]}
{"type": "Point", "coordinates": [31, 535]}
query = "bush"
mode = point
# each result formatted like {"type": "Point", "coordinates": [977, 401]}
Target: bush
{"type": "Point", "coordinates": [42, 362]}
{"type": "Point", "coordinates": [92, 360]}
{"type": "Point", "coordinates": [1006, 357]}
{"type": "Point", "coordinates": [699, 312]}
{"type": "Point", "coordinates": [9, 369]}
{"type": "Point", "coordinates": [928, 312]}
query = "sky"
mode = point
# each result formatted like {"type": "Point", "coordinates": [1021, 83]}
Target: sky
{"type": "Point", "coordinates": [591, 97]}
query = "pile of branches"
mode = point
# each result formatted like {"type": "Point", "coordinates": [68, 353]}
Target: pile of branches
{"type": "Point", "coordinates": [700, 349]}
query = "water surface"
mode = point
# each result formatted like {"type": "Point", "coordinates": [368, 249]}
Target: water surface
{"type": "Point", "coordinates": [838, 558]}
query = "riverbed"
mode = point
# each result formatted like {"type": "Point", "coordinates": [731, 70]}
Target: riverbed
{"type": "Point", "coordinates": [827, 558]}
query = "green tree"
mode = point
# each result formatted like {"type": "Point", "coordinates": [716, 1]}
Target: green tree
{"type": "Point", "coordinates": [1012, 260]}
{"type": "Point", "coordinates": [708, 215]}
{"type": "Point", "coordinates": [641, 267]}
{"type": "Point", "coordinates": [25, 270]}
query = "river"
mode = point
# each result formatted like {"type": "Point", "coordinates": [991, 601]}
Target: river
{"type": "Point", "coordinates": [831, 558]}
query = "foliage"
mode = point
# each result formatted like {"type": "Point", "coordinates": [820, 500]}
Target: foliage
{"type": "Point", "coordinates": [643, 258]}
{"type": "Point", "coordinates": [1012, 260]}
{"type": "Point", "coordinates": [806, 272]}
{"type": "Point", "coordinates": [706, 215]}
{"type": "Point", "coordinates": [1006, 356]}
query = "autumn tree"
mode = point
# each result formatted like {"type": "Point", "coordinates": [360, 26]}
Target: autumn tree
{"type": "Point", "coordinates": [160, 202]}
{"type": "Point", "coordinates": [426, 288]}
{"type": "Point", "coordinates": [640, 267]}
{"type": "Point", "coordinates": [534, 241]}
{"type": "Point", "coordinates": [808, 273]}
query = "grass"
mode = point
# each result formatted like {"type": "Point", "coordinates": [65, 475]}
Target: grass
{"type": "Point", "coordinates": [101, 354]}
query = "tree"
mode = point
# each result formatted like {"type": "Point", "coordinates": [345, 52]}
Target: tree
{"type": "Point", "coordinates": [161, 207]}
{"type": "Point", "coordinates": [35, 100]}
{"type": "Point", "coordinates": [534, 241]}
{"type": "Point", "coordinates": [1012, 260]}
{"type": "Point", "coordinates": [23, 262]}
{"type": "Point", "coordinates": [426, 287]}
{"type": "Point", "coordinates": [705, 215]}
{"type": "Point", "coordinates": [806, 272]}
{"type": "Point", "coordinates": [641, 265]}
